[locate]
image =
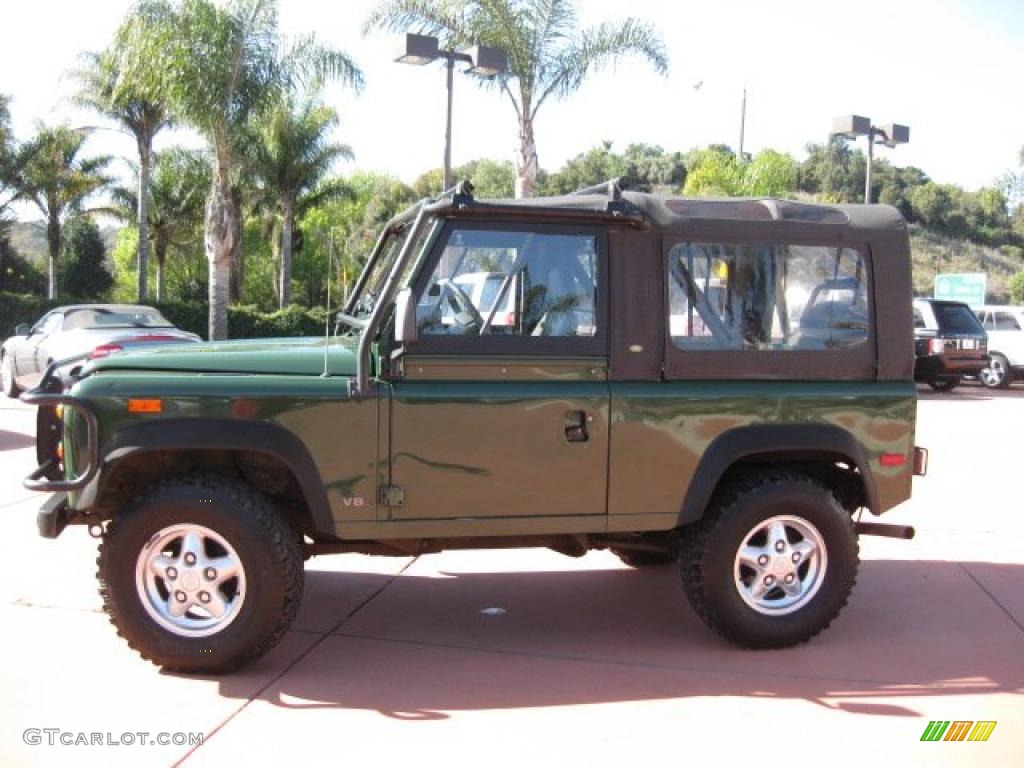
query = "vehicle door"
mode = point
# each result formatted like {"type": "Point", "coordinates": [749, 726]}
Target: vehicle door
{"type": "Point", "coordinates": [1007, 336]}
{"type": "Point", "coordinates": [30, 358]}
{"type": "Point", "coordinates": [498, 414]}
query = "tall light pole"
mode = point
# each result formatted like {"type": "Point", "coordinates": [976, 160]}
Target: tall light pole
{"type": "Point", "coordinates": [743, 123]}
{"type": "Point", "coordinates": [483, 62]}
{"type": "Point", "coordinates": [890, 135]}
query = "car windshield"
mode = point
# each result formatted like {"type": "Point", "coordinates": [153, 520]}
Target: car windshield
{"type": "Point", "coordinates": [957, 318]}
{"type": "Point", "coordinates": [92, 318]}
{"type": "Point", "coordinates": [374, 286]}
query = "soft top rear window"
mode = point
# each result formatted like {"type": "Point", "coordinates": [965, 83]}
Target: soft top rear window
{"type": "Point", "coordinates": [956, 318]}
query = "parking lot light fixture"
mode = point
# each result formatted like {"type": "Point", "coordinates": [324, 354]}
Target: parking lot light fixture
{"type": "Point", "coordinates": [891, 135]}
{"type": "Point", "coordinates": [483, 61]}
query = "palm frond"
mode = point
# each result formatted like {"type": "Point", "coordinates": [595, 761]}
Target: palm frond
{"type": "Point", "coordinates": [441, 18]}
{"type": "Point", "coordinates": [598, 47]}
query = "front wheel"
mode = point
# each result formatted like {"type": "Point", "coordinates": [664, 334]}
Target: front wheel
{"type": "Point", "coordinates": [944, 385]}
{"type": "Point", "coordinates": [7, 383]}
{"type": "Point", "coordinates": [997, 374]}
{"type": "Point", "coordinates": [773, 563]}
{"type": "Point", "coordinates": [201, 575]}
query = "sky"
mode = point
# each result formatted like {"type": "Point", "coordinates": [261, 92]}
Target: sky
{"type": "Point", "coordinates": [950, 69]}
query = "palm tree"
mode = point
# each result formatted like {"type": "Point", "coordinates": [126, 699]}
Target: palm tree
{"type": "Point", "coordinates": [57, 180]}
{"type": "Point", "coordinates": [181, 178]}
{"type": "Point", "coordinates": [220, 66]}
{"type": "Point", "coordinates": [547, 53]}
{"type": "Point", "coordinates": [8, 155]}
{"type": "Point", "coordinates": [103, 89]}
{"type": "Point", "coordinates": [289, 154]}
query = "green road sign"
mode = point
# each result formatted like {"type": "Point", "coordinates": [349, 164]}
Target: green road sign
{"type": "Point", "coordinates": [968, 288]}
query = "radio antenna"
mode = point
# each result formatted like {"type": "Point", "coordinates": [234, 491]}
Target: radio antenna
{"type": "Point", "coordinates": [327, 309]}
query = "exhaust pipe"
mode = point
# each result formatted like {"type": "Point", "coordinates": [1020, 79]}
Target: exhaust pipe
{"type": "Point", "coordinates": [884, 529]}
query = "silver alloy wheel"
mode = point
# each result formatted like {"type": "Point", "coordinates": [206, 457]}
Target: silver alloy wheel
{"type": "Point", "coordinates": [190, 580]}
{"type": "Point", "coordinates": [780, 565]}
{"type": "Point", "coordinates": [995, 374]}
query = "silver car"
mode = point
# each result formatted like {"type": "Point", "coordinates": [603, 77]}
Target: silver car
{"type": "Point", "coordinates": [77, 333]}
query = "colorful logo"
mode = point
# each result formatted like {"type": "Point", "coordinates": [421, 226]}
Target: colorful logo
{"type": "Point", "coordinates": [958, 730]}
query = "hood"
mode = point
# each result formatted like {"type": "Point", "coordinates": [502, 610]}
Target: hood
{"type": "Point", "coordinates": [291, 356]}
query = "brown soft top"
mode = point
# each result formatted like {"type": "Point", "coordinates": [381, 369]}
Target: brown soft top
{"type": "Point", "coordinates": [671, 213]}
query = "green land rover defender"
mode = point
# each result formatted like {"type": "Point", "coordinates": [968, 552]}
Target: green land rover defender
{"type": "Point", "coordinates": [722, 383]}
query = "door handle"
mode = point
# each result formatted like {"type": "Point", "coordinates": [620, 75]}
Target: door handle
{"type": "Point", "coordinates": [576, 426]}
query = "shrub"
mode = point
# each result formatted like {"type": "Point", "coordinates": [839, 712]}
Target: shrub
{"type": "Point", "coordinates": [1016, 287]}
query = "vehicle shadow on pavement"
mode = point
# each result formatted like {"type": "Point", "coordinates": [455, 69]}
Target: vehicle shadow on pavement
{"type": "Point", "coordinates": [967, 392]}
{"type": "Point", "coordinates": [13, 441]}
{"type": "Point", "coordinates": [426, 645]}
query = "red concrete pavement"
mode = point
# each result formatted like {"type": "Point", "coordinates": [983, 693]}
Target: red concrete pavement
{"type": "Point", "coordinates": [398, 661]}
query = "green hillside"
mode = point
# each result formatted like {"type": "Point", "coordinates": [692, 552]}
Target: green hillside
{"type": "Point", "coordinates": [934, 253]}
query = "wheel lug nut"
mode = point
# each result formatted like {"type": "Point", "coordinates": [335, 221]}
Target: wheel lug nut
{"type": "Point", "coordinates": [762, 560]}
{"type": "Point", "coordinates": [780, 545]}
{"type": "Point", "coordinates": [204, 596]}
{"type": "Point", "coordinates": [180, 596]}
{"type": "Point", "coordinates": [790, 578]}
{"type": "Point", "coordinates": [172, 573]}
{"type": "Point", "coordinates": [796, 557]}
{"type": "Point", "coordinates": [769, 580]}
{"type": "Point", "coordinates": [190, 558]}
{"type": "Point", "coordinates": [210, 574]}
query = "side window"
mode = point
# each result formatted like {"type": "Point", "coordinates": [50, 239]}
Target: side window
{"type": "Point", "coordinates": [512, 283]}
{"type": "Point", "coordinates": [766, 297]}
{"type": "Point", "coordinates": [918, 319]}
{"type": "Point", "coordinates": [49, 324]}
{"type": "Point", "coordinates": [1005, 322]}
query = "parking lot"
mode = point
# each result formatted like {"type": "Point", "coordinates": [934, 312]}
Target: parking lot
{"type": "Point", "coordinates": [531, 658]}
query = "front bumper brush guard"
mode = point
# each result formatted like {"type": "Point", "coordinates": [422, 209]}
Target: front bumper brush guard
{"type": "Point", "coordinates": [39, 480]}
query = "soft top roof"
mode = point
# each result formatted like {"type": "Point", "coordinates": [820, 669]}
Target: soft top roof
{"type": "Point", "coordinates": [675, 212]}
{"type": "Point", "coordinates": [126, 308]}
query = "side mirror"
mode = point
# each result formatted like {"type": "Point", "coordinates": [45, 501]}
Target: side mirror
{"type": "Point", "coordinates": [406, 331]}
{"type": "Point", "coordinates": [22, 329]}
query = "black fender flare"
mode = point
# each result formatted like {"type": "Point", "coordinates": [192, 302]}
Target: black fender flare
{"type": "Point", "coordinates": [218, 434]}
{"type": "Point", "coordinates": [775, 443]}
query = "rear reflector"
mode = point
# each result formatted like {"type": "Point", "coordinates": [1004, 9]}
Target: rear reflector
{"type": "Point", "coordinates": [892, 459]}
{"type": "Point", "coordinates": [145, 406]}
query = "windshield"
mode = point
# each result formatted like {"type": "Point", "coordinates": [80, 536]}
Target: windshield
{"type": "Point", "coordinates": [92, 318]}
{"type": "Point", "coordinates": [367, 299]}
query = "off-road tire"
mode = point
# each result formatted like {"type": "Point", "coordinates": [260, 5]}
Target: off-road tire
{"type": "Point", "coordinates": [269, 549]}
{"type": "Point", "coordinates": [944, 385]}
{"type": "Point", "coordinates": [710, 546]}
{"type": "Point", "coordinates": [7, 383]}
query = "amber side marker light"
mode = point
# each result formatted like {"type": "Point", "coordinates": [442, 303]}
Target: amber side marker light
{"type": "Point", "coordinates": [892, 459]}
{"type": "Point", "coordinates": [145, 406]}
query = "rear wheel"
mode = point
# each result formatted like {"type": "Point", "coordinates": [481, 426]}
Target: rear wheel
{"type": "Point", "coordinates": [201, 575]}
{"type": "Point", "coordinates": [7, 383]}
{"type": "Point", "coordinates": [944, 385]}
{"type": "Point", "coordinates": [997, 375]}
{"type": "Point", "coordinates": [773, 563]}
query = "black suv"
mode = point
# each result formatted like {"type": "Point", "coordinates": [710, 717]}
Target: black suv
{"type": "Point", "coordinates": [949, 343]}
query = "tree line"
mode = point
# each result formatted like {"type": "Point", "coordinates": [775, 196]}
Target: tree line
{"type": "Point", "coordinates": [260, 217]}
